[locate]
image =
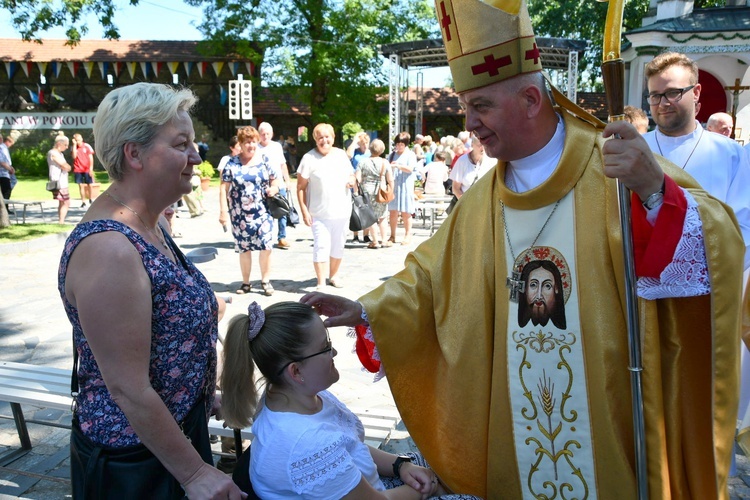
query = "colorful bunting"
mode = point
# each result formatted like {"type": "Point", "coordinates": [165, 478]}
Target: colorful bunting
{"type": "Point", "coordinates": [74, 66]}
{"type": "Point", "coordinates": [104, 68]}
{"type": "Point", "coordinates": [217, 67]}
{"type": "Point", "coordinates": [56, 67]}
{"type": "Point", "coordinates": [11, 68]}
{"type": "Point", "coordinates": [88, 66]}
{"type": "Point", "coordinates": [131, 69]}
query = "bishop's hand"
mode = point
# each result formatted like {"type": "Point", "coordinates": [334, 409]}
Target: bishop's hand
{"type": "Point", "coordinates": [339, 311]}
{"type": "Point", "coordinates": [629, 159]}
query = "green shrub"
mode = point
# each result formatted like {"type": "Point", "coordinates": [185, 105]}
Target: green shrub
{"type": "Point", "coordinates": [31, 161]}
{"type": "Point", "coordinates": [206, 169]}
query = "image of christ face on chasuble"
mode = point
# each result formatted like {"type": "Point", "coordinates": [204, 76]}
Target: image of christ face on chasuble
{"type": "Point", "coordinates": [546, 357]}
{"type": "Point", "coordinates": [543, 288]}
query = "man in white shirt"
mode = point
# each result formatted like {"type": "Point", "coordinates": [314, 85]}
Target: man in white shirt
{"type": "Point", "coordinates": [721, 123]}
{"type": "Point", "coordinates": [718, 163]}
{"type": "Point", "coordinates": [275, 154]}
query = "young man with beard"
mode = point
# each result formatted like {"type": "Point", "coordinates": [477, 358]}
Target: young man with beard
{"type": "Point", "coordinates": [718, 163]}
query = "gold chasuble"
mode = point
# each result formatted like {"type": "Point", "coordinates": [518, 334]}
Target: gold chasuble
{"type": "Point", "coordinates": [531, 399]}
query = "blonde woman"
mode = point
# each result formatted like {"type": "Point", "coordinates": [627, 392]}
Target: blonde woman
{"type": "Point", "coordinates": [324, 180]}
{"type": "Point", "coordinates": [58, 171]}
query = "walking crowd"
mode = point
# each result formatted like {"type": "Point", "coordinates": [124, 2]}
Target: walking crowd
{"type": "Point", "coordinates": [504, 338]}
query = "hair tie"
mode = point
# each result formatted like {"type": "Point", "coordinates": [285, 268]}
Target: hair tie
{"type": "Point", "coordinates": [256, 319]}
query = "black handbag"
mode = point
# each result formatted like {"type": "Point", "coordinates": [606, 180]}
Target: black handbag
{"type": "Point", "coordinates": [277, 205]}
{"type": "Point", "coordinates": [362, 215]}
{"type": "Point", "coordinates": [98, 471]}
{"type": "Point", "coordinates": [292, 218]}
{"type": "Point", "coordinates": [452, 204]}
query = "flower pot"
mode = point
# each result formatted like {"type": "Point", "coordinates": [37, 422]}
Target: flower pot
{"type": "Point", "coordinates": [205, 183]}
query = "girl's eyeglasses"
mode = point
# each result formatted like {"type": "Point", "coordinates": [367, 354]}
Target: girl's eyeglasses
{"type": "Point", "coordinates": [328, 348]}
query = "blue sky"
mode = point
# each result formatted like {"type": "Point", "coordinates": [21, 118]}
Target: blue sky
{"type": "Point", "coordinates": [170, 20]}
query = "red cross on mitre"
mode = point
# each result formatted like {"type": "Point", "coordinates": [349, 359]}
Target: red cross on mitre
{"type": "Point", "coordinates": [533, 54]}
{"type": "Point", "coordinates": [490, 65]}
{"type": "Point", "coordinates": [445, 21]}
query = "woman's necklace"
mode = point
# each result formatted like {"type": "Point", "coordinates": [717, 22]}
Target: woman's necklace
{"type": "Point", "coordinates": [656, 136]}
{"type": "Point", "coordinates": [514, 281]}
{"type": "Point", "coordinates": [158, 237]}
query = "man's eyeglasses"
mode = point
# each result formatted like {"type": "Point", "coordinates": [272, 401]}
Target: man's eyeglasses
{"type": "Point", "coordinates": [672, 96]}
{"type": "Point", "coordinates": [329, 348]}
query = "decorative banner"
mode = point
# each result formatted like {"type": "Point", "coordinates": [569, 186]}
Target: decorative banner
{"type": "Point", "coordinates": [54, 121]}
{"type": "Point", "coordinates": [56, 67]}
{"type": "Point", "coordinates": [234, 67]}
{"type": "Point", "coordinates": [117, 67]}
{"type": "Point", "coordinates": [188, 67]}
{"type": "Point", "coordinates": [202, 68]}
{"type": "Point", "coordinates": [223, 95]}
{"type": "Point", "coordinates": [74, 66]}
{"type": "Point", "coordinates": [103, 68]}
{"type": "Point", "coordinates": [11, 68]}
{"type": "Point", "coordinates": [88, 66]}
{"type": "Point", "coordinates": [131, 69]}
{"type": "Point", "coordinates": [156, 67]}
{"type": "Point", "coordinates": [217, 67]}
{"type": "Point", "coordinates": [42, 67]}
{"type": "Point", "coordinates": [26, 67]}
{"type": "Point", "coordinates": [144, 69]}
{"type": "Point", "coordinates": [250, 68]}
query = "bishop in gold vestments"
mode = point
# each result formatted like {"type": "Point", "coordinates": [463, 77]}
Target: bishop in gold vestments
{"type": "Point", "coordinates": [441, 327]}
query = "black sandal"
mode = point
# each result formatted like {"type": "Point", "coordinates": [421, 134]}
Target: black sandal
{"type": "Point", "coordinates": [245, 288]}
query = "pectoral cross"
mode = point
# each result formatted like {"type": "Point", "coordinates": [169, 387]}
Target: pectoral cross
{"type": "Point", "coordinates": [516, 285]}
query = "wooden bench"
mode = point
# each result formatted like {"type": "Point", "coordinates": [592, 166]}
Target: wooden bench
{"type": "Point", "coordinates": [14, 204]}
{"type": "Point", "coordinates": [25, 384]}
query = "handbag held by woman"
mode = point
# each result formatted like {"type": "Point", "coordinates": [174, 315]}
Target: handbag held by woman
{"type": "Point", "coordinates": [386, 191]}
{"type": "Point", "coordinates": [362, 215]}
{"type": "Point", "coordinates": [277, 205]}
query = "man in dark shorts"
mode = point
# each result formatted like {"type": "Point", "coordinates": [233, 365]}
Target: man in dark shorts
{"type": "Point", "coordinates": [83, 167]}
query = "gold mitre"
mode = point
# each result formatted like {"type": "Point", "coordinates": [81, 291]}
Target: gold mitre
{"type": "Point", "coordinates": [487, 41]}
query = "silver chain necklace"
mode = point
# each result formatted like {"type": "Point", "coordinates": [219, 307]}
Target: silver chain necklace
{"type": "Point", "coordinates": [514, 281]}
{"type": "Point", "coordinates": [158, 237]}
{"type": "Point", "coordinates": [656, 136]}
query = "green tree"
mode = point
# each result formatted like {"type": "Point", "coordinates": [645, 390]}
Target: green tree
{"type": "Point", "coordinates": [584, 20]}
{"type": "Point", "coordinates": [326, 49]}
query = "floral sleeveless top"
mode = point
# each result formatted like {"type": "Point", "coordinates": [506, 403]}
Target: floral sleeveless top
{"type": "Point", "coordinates": [183, 340]}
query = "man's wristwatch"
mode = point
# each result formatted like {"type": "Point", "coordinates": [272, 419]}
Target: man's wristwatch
{"type": "Point", "coordinates": [399, 462]}
{"type": "Point", "coordinates": [654, 200]}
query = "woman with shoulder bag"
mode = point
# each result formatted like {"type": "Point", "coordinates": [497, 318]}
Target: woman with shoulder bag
{"type": "Point", "coordinates": [144, 318]}
{"type": "Point", "coordinates": [404, 163]}
{"type": "Point", "coordinates": [58, 172]}
{"type": "Point", "coordinates": [373, 173]}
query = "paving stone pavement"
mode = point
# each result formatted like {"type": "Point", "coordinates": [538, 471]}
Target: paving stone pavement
{"type": "Point", "coordinates": [34, 329]}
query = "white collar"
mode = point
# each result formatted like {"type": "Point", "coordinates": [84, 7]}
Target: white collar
{"type": "Point", "coordinates": [528, 173]}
